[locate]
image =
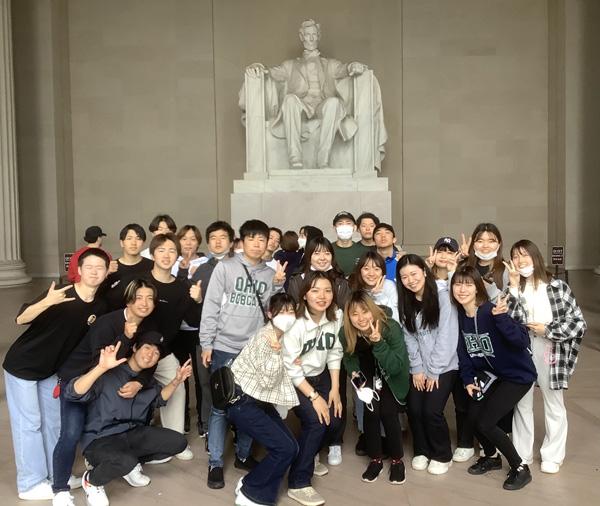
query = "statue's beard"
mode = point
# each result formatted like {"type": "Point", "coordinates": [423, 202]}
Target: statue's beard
{"type": "Point", "coordinates": [311, 53]}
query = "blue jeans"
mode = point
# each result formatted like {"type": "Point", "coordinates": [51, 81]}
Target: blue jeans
{"type": "Point", "coordinates": [35, 425]}
{"type": "Point", "coordinates": [312, 432]}
{"type": "Point", "coordinates": [263, 423]}
{"type": "Point", "coordinates": [217, 425]}
{"type": "Point", "coordinates": [72, 421]}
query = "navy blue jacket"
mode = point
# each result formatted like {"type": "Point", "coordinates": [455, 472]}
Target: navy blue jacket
{"type": "Point", "coordinates": [501, 340]}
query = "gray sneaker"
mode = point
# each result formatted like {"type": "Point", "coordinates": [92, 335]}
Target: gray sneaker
{"type": "Point", "coordinates": [306, 496]}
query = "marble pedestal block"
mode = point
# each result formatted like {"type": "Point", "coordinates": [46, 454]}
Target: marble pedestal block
{"type": "Point", "coordinates": [289, 201]}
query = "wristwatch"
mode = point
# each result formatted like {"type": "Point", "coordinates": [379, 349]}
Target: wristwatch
{"type": "Point", "coordinates": [313, 395]}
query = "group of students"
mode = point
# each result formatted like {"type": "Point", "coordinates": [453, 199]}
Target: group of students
{"type": "Point", "coordinates": [298, 324]}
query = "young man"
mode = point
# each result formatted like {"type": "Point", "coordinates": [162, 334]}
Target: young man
{"type": "Point", "coordinates": [230, 316]}
{"type": "Point", "coordinates": [219, 236]}
{"type": "Point", "coordinates": [346, 251]}
{"type": "Point", "coordinates": [176, 301]}
{"type": "Point", "coordinates": [160, 224]}
{"type": "Point", "coordinates": [116, 437]}
{"type": "Point", "coordinates": [57, 321]}
{"type": "Point", "coordinates": [273, 243]}
{"type": "Point", "coordinates": [118, 326]}
{"type": "Point", "coordinates": [385, 240]}
{"type": "Point", "coordinates": [93, 237]}
{"type": "Point", "coordinates": [129, 265]}
{"type": "Point", "coordinates": [366, 224]}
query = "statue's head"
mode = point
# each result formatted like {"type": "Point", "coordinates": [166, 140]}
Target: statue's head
{"type": "Point", "coordinates": [310, 34]}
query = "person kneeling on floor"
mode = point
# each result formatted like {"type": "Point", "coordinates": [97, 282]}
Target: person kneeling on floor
{"type": "Point", "coordinates": [116, 439]}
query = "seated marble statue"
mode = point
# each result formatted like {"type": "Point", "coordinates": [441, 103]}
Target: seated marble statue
{"type": "Point", "coordinates": [308, 87]}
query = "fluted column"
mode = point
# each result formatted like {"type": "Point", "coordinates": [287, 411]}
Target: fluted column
{"type": "Point", "coordinates": [12, 268]}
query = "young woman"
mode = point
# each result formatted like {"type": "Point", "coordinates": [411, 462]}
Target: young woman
{"type": "Point", "coordinates": [431, 333]}
{"type": "Point", "coordinates": [556, 326]}
{"type": "Point", "coordinates": [496, 368]}
{"type": "Point", "coordinates": [369, 275]}
{"type": "Point", "coordinates": [312, 354]}
{"type": "Point", "coordinates": [374, 350]}
{"type": "Point", "coordinates": [483, 251]}
{"type": "Point", "coordinates": [262, 382]}
{"type": "Point", "coordinates": [443, 259]}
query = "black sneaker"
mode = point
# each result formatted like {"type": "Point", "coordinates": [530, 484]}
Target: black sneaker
{"type": "Point", "coordinates": [215, 477]}
{"type": "Point", "coordinates": [373, 471]}
{"type": "Point", "coordinates": [246, 465]}
{"type": "Point", "coordinates": [361, 445]}
{"type": "Point", "coordinates": [485, 464]}
{"type": "Point", "coordinates": [517, 478]}
{"type": "Point", "coordinates": [397, 473]}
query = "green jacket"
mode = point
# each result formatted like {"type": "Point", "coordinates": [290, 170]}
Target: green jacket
{"type": "Point", "coordinates": [391, 356]}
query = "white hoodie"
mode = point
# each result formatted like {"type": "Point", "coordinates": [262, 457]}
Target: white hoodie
{"type": "Point", "coordinates": [316, 345]}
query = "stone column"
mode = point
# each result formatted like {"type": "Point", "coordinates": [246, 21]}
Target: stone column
{"type": "Point", "coordinates": [12, 268]}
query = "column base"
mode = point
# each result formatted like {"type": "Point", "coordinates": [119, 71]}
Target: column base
{"type": "Point", "coordinates": [12, 273]}
{"type": "Point", "coordinates": [597, 271]}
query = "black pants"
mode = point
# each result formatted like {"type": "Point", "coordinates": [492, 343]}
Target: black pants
{"type": "Point", "coordinates": [184, 347]}
{"type": "Point", "coordinates": [485, 414]}
{"type": "Point", "coordinates": [385, 411]}
{"type": "Point", "coordinates": [336, 436]}
{"type": "Point", "coordinates": [115, 456]}
{"type": "Point", "coordinates": [431, 436]}
{"type": "Point", "coordinates": [464, 431]}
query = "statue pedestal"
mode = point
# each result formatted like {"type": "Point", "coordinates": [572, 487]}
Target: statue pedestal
{"type": "Point", "coordinates": [289, 199]}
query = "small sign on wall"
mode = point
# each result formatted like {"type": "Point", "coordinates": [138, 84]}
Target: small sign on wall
{"type": "Point", "coordinates": [558, 255]}
{"type": "Point", "coordinates": [67, 260]}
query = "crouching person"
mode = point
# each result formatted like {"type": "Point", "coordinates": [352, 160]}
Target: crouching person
{"type": "Point", "coordinates": [262, 382]}
{"type": "Point", "coordinates": [116, 438]}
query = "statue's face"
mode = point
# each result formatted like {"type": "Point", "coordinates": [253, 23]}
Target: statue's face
{"type": "Point", "coordinates": [310, 38]}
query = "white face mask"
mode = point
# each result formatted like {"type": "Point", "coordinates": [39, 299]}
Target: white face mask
{"type": "Point", "coordinates": [344, 232]}
{"type": "Point", "coordinates": [284, 322]}
{"type": "Point", "coordinates": [486, 256]}
{"type": "Point", "coordinates": [367, 395]}
{"type": "Point", "coordinates": [221, 256]}
{"type": "Point", "coordinates": [239, 250]}
{"type": "Point", "coordinates": [302, 242]}
{"type": "Point", "coordinates": [526, 271]}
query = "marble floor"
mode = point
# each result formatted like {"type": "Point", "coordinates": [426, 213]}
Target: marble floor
{"type": "Point", "coordinates": [185, 482]}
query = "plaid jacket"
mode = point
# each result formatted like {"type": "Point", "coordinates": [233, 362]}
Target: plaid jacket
{"type": "Point", "coordinates": [565, 331]}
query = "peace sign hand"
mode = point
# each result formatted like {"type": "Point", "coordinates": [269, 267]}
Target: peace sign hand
{"type": "Point", "coordinates": [501, 306]}
{"type": "Point", "coordinates": [465, 245]}
{"type": "Point", "coordinates": [108, 357]}
{"type": "Point", "coordinates": [379, 285]}
{"type": "Point", "coordinates": [183, 372]}
{"type": "Point", "coordinates": [452, 261]}
{"type": "Point", "coordinates": [196, 291]}
{"type": "Point", "coordinates": [58, 296]}
{"type": "Point", "coordinates": [430, 260]}
{"type": "Point", "coordinates": [279, 277]}
{"type": "Point", "coordinates": [375, 336]}
{"type": "Point", "coordinates": [513, 274]}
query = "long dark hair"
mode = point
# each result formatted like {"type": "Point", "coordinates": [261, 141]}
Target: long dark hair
{"type": "Point", "coordinates": [469, 273]}
{"type": "Point", "coordinates": [497, 269]}
{"type": "Point", "coordinates": [540, 273]}
{"type": "Point", "coordinates": [308, 282]}
{"type": "Point", "coordinates": [407, 301]}
{"type": "Point", "coordinates": [356, 281]}
{"type": "Point", "coordinates": [318, 244]}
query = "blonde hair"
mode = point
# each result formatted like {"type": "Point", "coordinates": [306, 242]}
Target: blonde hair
{"type": "Point", "coordinates": [364, 301]}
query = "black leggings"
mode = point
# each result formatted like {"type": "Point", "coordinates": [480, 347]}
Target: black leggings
{"type": "Point", "coordinates": [385, 412]}
{"type": "Point", "coordinates": [485, 414]}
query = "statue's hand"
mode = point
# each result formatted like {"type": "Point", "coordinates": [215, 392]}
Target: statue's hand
{"type": "Point", "coordinates": [356, 69]}
{"type": "Point", "coordinates": [256, 70]}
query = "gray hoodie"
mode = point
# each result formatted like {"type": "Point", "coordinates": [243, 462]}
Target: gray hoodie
{"type": "Point", "coordinates": [433, 351]}
{"type": "Point", "coordinates": [231, 314]}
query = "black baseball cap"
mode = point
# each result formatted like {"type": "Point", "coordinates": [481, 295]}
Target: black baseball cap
{"type": "Point", "coordinates": [343, 215]}
{"type": "Point", "coordinates": [92, 233]}
{"type": "Point", "coordinates": [448, 242]}
{"type": "Point", "coordinates": [151, 337]}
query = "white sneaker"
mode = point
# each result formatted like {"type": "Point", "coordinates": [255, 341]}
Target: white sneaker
{"type": "Point", "coordinates": [63, 498]}
{"type": "Point", "coordinates": [74, 482]}
{"type": "Point", "coordinates": [136, 478]}
{"type": "Point", "coordinates": [320, 469]}
{"type": "Point", "coordinates": [463, 454]}
{"type": "Point", "coordinates": [307, 496]}
{"type": "Point", "coordinates": [186, 454]}
{"type": "Point", "coordinates": [242, 500]}
{"type": "Point", "coordinates": [550, 467]}
{"type": "Point", "coordinates": [95, 496]}
{"type": "Point", "coordinates": [437, 467]}
{"type": "Point", "coordinates": [334, 458]}
{"type": "Point", "coordinates": [41, 492]}
{"type": "Point", "coordinates": [159, 461]}
{"type": "Point", "coordinates": [239, 485]}
{"type": "Point", "coordinates": [420, 462]}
